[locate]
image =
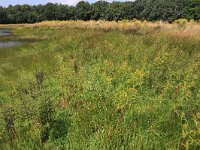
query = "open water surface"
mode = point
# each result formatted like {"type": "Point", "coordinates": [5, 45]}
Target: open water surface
{"type": "Point", "coordinates": [7, 32]}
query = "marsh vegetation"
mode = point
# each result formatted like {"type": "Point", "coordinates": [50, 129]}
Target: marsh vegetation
{"type": "Point", "coordinates": [101, 85]}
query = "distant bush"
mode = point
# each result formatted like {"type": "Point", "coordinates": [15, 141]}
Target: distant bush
{"type": "Point", "coordinates": [138, 23]}
{"type": "Point", "coordinates": [181, 22]}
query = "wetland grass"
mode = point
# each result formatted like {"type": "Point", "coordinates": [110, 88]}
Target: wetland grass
{"type": "Point", "coordinates": [82, 88]}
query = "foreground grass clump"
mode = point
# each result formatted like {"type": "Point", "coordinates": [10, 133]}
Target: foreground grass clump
{"type": "Point", "coordinates": [101, 89]}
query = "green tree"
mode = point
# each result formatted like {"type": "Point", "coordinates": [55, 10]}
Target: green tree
{"type": "Point", "coordinates": [83, 11]}
{"type": "Point", "coordinates": [50, 11]}
{"type": "Point", "coordinates": [191, 9]}
{"type": "Point", "coordinates": [98, 10]}
{"type": "Point", "coordinates": [3, 16]}
{"type": "Point", "coordinates": [129, 10]}
{"type": "Point", "coordinates": [62, 12]}
{"type": "Point", "coordinates": [152, 10]}
{"type": "Point", "coordinates": [114, 11]}
{"type": "Point", "coordinates": [167, 10]}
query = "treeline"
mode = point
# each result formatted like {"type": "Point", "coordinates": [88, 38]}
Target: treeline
{"type": "Point", "coordinates": [151, 10]}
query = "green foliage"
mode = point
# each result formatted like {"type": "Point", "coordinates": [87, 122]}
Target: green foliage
{"type": "Point", "coordinates": [9, 119]}
{"type": "Point", "coordinates": [152, 10]}
{"type": "Point", "coordinates": [114, 11]}
{"type": "Point", "coordinates": [98, 10]}
{"type": "Point", "coordinates": [89, 89]}
{"type": "Point", "coordinates": [191, 9]}
{"type": "Point", "coordinates": [60, 126]}
{"type": "Point", "coordinates": [162, 10]}
{"type": "Point", "coordinates": [46, 112]}
{"type": "Point", "coordinates": [82, 11]}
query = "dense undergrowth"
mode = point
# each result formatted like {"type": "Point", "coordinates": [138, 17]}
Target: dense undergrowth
{"type": "Point", "coordinates": [93, 89]}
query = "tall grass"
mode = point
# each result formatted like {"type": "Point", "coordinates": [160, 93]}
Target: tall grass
{"type": "Point", "coordinates": [82, 88]}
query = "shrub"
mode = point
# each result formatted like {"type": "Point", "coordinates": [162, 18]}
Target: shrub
{"type": "Point", "coordinates": [46, 112]}
{"type": "Point", "coordinates": [181, 22]}
{"type": "Point", "coordinates": [9, 118]}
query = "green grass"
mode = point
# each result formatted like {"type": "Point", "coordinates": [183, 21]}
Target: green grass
{"type": "Point", "coordinates": [86, 89]}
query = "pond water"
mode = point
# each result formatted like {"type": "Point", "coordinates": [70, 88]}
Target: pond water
{"type": "Point", "coordinates": [7, 32]}
{"type": "Point", "coordinates": [9, 44]}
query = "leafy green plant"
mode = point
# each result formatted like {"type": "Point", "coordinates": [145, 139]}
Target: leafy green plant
{"type": "Point", "coordinates": [9, 119]}
{"type": "Point", "coordinates": [46, 119]}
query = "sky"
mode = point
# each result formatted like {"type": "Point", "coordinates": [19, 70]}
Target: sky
{"type": "Point", "coordinates": [5, 3]}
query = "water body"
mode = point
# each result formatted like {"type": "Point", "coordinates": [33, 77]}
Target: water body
{"type": "Point", "coordinates": [7, 32]}
{"type": "Point", "coordinates": [9, 44]}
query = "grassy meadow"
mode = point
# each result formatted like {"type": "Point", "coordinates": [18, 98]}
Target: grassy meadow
{"type": "Point", "coordinates": [101, 85]}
